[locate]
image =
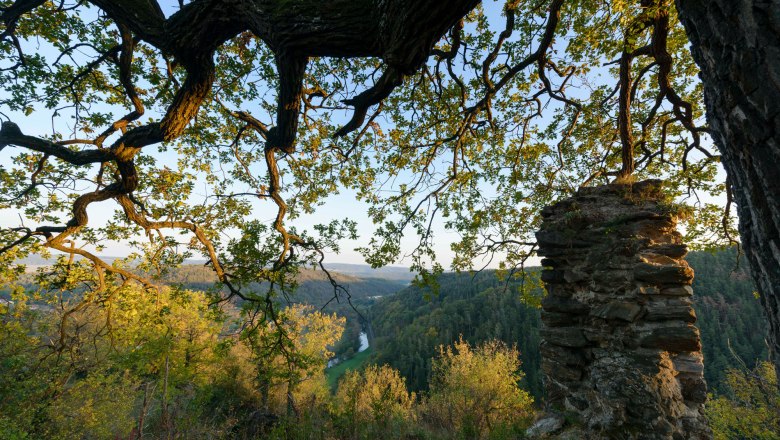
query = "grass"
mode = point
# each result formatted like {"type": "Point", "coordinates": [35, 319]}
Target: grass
{"type": "Point", "coordinates": [355, 362]}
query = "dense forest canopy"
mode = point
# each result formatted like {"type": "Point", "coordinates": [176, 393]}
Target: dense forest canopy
{"type": "Point", "coordinates": [474, 114]}
{"type": "Point", "coordinates": [464, 362]}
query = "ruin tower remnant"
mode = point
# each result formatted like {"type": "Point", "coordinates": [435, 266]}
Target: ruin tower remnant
{"type": "Point", "coordinates": [620, 353]}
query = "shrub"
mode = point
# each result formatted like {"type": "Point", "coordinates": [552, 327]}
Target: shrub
{"type": "Point", "coordinates": [475, 391]}
{"type": "Point", "coordinates": [371, 402]}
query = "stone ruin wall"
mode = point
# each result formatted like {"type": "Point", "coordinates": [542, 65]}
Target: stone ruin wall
{"type": "Point", "coordinates": [620, 352]}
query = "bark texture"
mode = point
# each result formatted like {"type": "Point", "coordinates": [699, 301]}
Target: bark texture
{"type": "Point", "coordinates": [736, 43]}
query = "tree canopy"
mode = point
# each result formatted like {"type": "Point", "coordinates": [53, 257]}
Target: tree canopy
{"type": "Point", "coordinates": [192, 120]}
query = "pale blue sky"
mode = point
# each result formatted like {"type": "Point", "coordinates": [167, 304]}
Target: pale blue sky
{"type": "Point", "coordinates": [335, 207]}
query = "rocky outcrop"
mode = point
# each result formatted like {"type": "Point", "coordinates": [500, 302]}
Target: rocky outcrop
{"type": "Point", "coordinates": [620, 352]}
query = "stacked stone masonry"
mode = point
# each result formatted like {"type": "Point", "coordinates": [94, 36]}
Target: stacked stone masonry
{"type": "Point", "coordinates": [620, 353]}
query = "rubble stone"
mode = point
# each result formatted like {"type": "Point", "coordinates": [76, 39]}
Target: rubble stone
{"type": "Point", "coordinates": [620, 353]}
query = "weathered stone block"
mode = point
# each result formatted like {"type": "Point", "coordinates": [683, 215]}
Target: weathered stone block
{"type": "Point", "coordinates": [673, 339]}
{"type": "Point", "coordinates": [562, 373]}
{"type": "Point", "coordinates": [576, 402]}
{"type": "Point", "coordinates": [689, 363]}
{"type": "Point", "coordinates": [622, 310]}
{"type": "Point", "coordinates": [560, 304]}
{"type": "Point", "coordinates": [563, 355]}
{"type": "Point", "coordinates": [598, 334]}
{"type": "Point", "coordinates": [663, 274]}
{"type": "Point", "coordinates": [559, 289]}
{"type": "Point", "coordinates": [574, 276]}
{"type": "Point", "coordinates": [694, 389]}
{"type": "Point", "coordinates": [656, 230]}
{"type": "Point", "coordinates": [677, 291]}
{"type": "Point", "coordinates": [657, 259]}
{"type": "Point", "coordinates": [554, 319]}
{"type": "Point", "coordinates": [647, 361]}
{"type": "Point", "coordinates": [556, 392]}
{"type": "Point", "coordinates": [557, 252]}
{"type": "Point", "coordinates": [560, 239]}
{"type": "Point", "coordinates": [671, 250]}
{"type": "Point", "coordinates": [629, 338]}
{"type": "Point", "coordinates": [646, 290]}
{"type": "Point", "coordinates": [665, 312]}
{"type": "Point", "coordinates": [564, 336]}
{"type": "Point", "coordinates": [609, 280]}
{"type": "Point", "coordinates": [553, 276]}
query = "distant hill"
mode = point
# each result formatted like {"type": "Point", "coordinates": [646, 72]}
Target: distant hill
{"type": "Point", "coordinates": [399, 273]}
{"type": "Point", "coordinates": [360, 281]}
{"type": "Point", "coordinates": [365, 271]}
{"type": "Point", "coordinates": [314, 286]}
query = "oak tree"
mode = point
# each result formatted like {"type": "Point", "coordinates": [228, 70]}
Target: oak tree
{"type": "Point", "coordinates": [196, 117]}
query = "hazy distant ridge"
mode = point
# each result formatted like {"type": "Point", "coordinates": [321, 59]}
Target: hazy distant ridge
{"type": "Point", "coordinates": [396, 273]}
{"type": "Point", "coordinates": [399, 273]}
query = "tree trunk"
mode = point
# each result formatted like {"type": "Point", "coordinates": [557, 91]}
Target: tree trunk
{"type": "Point", "coordinates": [736, 43]}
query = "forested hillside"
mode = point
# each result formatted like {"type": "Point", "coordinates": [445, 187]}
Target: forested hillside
{"type": "Point", "coordinates": [175, 367]}
{"type": "Point", "coordinates": [408, 328]}
{"type": "Point", "coordinates": [729, 314]}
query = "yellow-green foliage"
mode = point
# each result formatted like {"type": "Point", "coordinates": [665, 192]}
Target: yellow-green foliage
{"type": "Point", "coordinates": [474, 394]}
{"type": "Point", "coordinates": [126, 361]}
{"type": "Point", "coordinates": [753, 409]}
{"type": "Point", "coordinates": [373, 399]}
{"type": "Point", "coordinates": [99, 406]}
{"type": "Point", "coordinates": [85, 367]}
{"type": "Point", "coordinates": [295, 378]}
{"type": "Point", "coordinates": [474, 390]}
{"type": "Point", "coordinates": [157, 364]}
